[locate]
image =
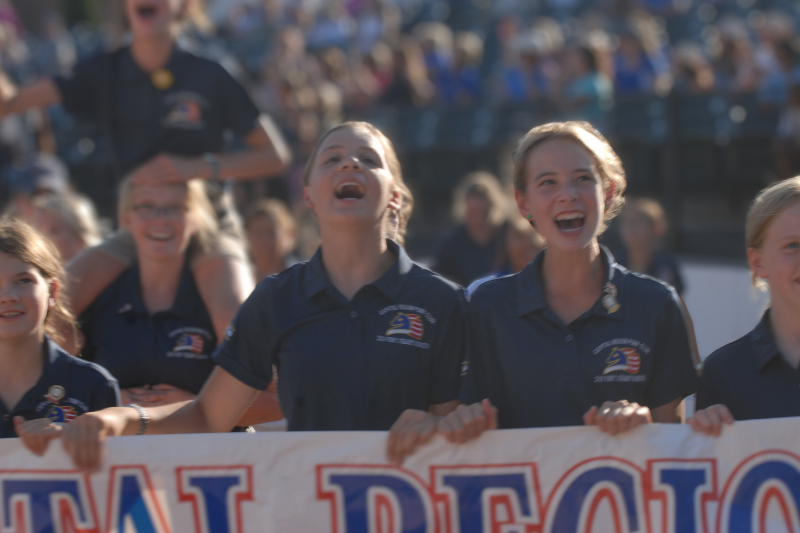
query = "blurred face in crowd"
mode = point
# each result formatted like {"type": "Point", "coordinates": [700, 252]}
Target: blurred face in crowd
{"type": "Point", "coordinates": [350, 183]}
{"type": "Point", "coordinates": [476, 211]}
{"type": "Point", "coordinates": [575, 63]}
{"type": "Point", "coordinates": [564, 193]}
{"type": "Point", "coordinates": [24, 298]}
{"type": "Point", "coordinates": [267, 240]}
{"type": "Point", "coordinates": [637, 231]}
{"type": "Point", "coordinates": [55, 228]}
{"type": "Point", "coordinates": [522, 247]}
{"type": "Point", "coordinates": [157, 219]}
{"type": "Point", "coordinates": [777, 260]}
{"type": "Point", "coordinates": [149, 18]}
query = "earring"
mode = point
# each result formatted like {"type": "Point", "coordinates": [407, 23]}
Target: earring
{"type": "Point", "coordinates": [52, 302]}
{"type": "Point", "coordinates": [529, 217]}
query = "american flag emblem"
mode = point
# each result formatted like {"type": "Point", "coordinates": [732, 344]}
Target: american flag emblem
{"type": "Point", "coordinates": [191, 342]}
{"type": "Point", "coordinates": [406, 324]}
{"type": "Point", "coordinates": [626, 359]}
{"type": "Point", "coordinates": [62, 414]}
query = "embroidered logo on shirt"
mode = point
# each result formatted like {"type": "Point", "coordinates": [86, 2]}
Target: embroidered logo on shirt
{"type": "Point", "coordinates": [189, 342]}
{"type": "Point", "coordinates": [186, 111]}
{"type": "Point", "coordinates": [626, 359]}
{"type": "Point", "coordinates": [229, 331]}
{"type": "Point", "coordinates": [55, 393]}
{"type": "Point", "coordinates": [406, 324]}
{"type": "Point", "coordinates": [62, 414]}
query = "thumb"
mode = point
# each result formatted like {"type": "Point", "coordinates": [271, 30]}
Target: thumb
{"type": "Point", "coordinates": [589, 417]}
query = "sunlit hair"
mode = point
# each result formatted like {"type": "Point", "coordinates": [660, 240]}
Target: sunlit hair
{"type": "Point", "coordinates": [767, 205]}
{"type": "Point", "coordinates": [275, 210]}
{"type": "Point", "coordinates": [486, 186]}
{"type": "Point", "coordinates": [21, 241]}
{"type": "Point", "coordinates": [76, 211]}
{"type": "Point", "coordinates": [649, 209]}
{"type": "Point", "coordinates": [198, 208]}
{"type": "Point", "coordinates": [608, 163]}
{"type": "Point", "coordinates": [392, 163]}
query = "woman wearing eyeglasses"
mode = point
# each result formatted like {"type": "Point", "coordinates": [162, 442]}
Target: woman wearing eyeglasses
{"type": "Point", "coordinates": [150, 328]}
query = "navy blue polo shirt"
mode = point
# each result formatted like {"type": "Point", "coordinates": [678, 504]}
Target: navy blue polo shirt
{"type": "Point", "coordinates": [172, 347]}
{"type": "Point", "coordinates": [540, 372]}
{"type": "Point", "coordinates": [68, 388]}
{"type": "Point", "coordinates": [188, 118]}
{"type": "Point", "coordinates": [751, 377]}
{"type": "Point", "coordinates": [350, 365]}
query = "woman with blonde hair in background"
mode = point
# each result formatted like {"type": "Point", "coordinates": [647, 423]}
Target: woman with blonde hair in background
{"type": "Point", "coordinates": [756, 376]}
{"type": "Point", "coordinates": [475, 248]}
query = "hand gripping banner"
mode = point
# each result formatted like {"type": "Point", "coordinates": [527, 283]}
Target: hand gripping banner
{"type": "Point", "coordinates": [658, 479]}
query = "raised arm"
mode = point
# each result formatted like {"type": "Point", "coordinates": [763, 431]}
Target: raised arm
{"type": "Point", "coordinates": [267, 155]}
{"type": "Point", "coordinates": [217, 408]}
{"type": "Point", "coordinates": [41, 93]}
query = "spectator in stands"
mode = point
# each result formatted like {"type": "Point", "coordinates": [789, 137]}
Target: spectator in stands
{"type": "Point", "coordinates": [588, 93]}
{"type": "Point", "coordinates": [774, 87]}
{"type": "Point", "coordinates": [68, 220]}
{"type": "Point", "coordinates": [734, 67]}
{"type": "Point", "coordinates": [756, 376]}
{"type": "Point", "coordinates": [37, 378]}
{"type": "Point", "coordinates": [643, 225]}
{"type": "Point", "coordinates": [692, 71]}
{"type": "Point", "coordinates": [475, 248]}
{"type": "Point", "coordinates": [436, 43]}
{"type": "Point", "coordinates": [788, 141]}
{"type": "Point", "coordinates": [634, 73]}
{"type": "Point", "coordinates": [522, 244]}
{"type": "Point", "coordinates": [165, 113]}
{"type": "Point", "coordinates": [45, 174]}
{"type": "Point", "coordinates": [465, 74]}
{"type": "Point", "coordinates": [271, 237]}
{"type": "Point", "coordinates": [573, 338]}
{"type": "Point", "coordinates": [359, 281]}
{"type": "Point", "coordinates": [410, 84]}
{"type": "Point", "coordinates": [150, 328]}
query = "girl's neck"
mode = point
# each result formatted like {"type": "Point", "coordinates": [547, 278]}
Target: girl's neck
{"type": "Point", "coordinates": [353, 259]}
{"type": "Point", "coordinates": [785, 320]}
{"type": "Point", "coordinates": [159, 282]}
{"type": "Point", "coordinates": [570, 273]}
{"type": "Point", "coordinates": [22, 362]}
{"type": "Point", "coordinates": [152, 53]}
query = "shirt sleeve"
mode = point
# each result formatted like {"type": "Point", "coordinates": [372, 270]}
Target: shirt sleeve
{"type": "Point", "coordinates": [674, 374]}
{"type": "Point", "coordinates": [450, 355]}
{"type": "Point", "coordinates": [106, 395]}
{"type": "Point", "coordinates": [247, 351]}
{"type": "Point", "coordinates": [241, 114]}
{"type": "Point", "coordinates": [79, 89]}
{"type": "Point", "coordinates": [707, 394]}
{"type": "Point", "coordinates": [483, 377]}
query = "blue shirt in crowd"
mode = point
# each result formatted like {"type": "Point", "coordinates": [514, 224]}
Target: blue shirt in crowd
{"type": "Point", "coordinates": [350, 364]}
{"type": "Point", "coordinates": [67, 388]}
{"type": "Point", "coordinates": [172, 347]}
{"type": "Point", "coordinates": [196, 103]}
{"type": "Point", "coordinates": [540, 372]}
{"type": "Point", "coordinates": [751, 377]}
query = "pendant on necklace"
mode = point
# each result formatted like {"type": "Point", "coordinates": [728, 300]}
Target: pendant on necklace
{"type": "Point", "coordinates": [610, 298]}
{"type": "Point", "coordinates": [162, 79]}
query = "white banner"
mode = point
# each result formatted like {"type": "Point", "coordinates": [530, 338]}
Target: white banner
{"type": "Point", "coordinates": [561, 480]}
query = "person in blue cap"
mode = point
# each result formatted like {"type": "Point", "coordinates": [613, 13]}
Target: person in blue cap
{"type": "Point", "coordinates": [164, 113]}
{"type": "Point", "coordinates": [757, 375]}
{"type": "Point", "coordinates": [362, 337]}
{"type": "Point", "coordinates": [38, 379]}
{"type": "Point", "coordinates": [574, 338]}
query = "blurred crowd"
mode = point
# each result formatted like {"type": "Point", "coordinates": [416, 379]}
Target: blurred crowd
{"type": "Point", "coordinates": [312, 64]}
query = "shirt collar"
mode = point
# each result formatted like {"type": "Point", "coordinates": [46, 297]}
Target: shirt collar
{"type": "Point", "coordinates": [316, 279]}
{"type": "Point", "coordinates": [186, 298]}
{"type": "Point", "coordinates": [530, 289]}
{"type": "Point", "coordinates": [764, 347]}
{"type": "Point", "coordinates": [130, 71]}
